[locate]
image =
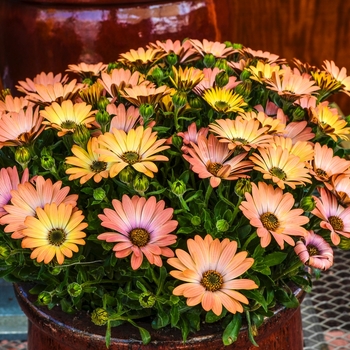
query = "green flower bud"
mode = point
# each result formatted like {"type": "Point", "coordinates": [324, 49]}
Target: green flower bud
{"type": "Point", "coordinates": [298, 114]}
{"type": "Point", "coordinates": [196, 220]}
{"type": "Point", "coordinates": [146, 111]}
{"type": "Point", "coordinates": [172, 59]}
{"type": "Point", "coordinates": [74, 289]}
{"type": "Point", "coordinates": [4, 252]}
{"type": "Point", "coordinates": [245, 75]}
{"type": "Point", "coordinates": [107, 245]}
{"type": "Point", "coordinates": [81, 135]}
{"type": "Point", "coordinates": [99, 317]}
{"type": "Point", "coordinates": [308, 203]}
{"type": "Point", "coordinates": [242, 186]}
{"type": "Point", "coordinates": [55, 271]}
{"type": "Point", "coordinates": [127, 175]}
{"type": "Point", "coordinates": [88, 81]}
{"type": "Point", "coordinates": [22, 156]}
{"type": "Point", "coordinates": [222, 64]}
{"type": "Point", "coordinates": [157, 73]}
{"type": "Point", "coordinates": [222, 225]}
{"type": "Point", "coordinates": [99, 194]}
{"type": "Point", "coordinates": [44, 298]}
{"type": "Point", "coordinates": [140, 183]}
{"type": "Point", "coordinates": [111, 66]}
{"type": "Point", "coordinates": [178, 187]}
{"type": "Point", "coordinates": [221, 79]}
{"type": "Point", "coordinates": [147, 300]}
{"type": "Point", "coordinates": [195, 102]}
{"type": "Point", "coordinates": [237, 46]}
{"type": "Point", "coordinates": [102, 118]}
{"type": "Point", "coordinates": [209, 60]}
{"type": "Point", "coordinates": [102, 103]}
{"type": "Point", "coordinates": [179, 99]}
{"type": "Point", "coordinates": [244, 88]}
{"type": "Point", "coordinates": [177, 141]}
{"type": "Point", "coordinates": [47, 162]}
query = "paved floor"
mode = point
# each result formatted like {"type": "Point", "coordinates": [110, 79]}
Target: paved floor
{"type": "Point", "coordinates": [325, 311]}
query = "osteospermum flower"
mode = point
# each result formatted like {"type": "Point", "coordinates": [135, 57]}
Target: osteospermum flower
{"type": "Point", "coordinates": [142, 94]}
{"type": "Point", "coordinates": [264, 56]}
{"type": "Point", "coordinates": [56, 231]}
{"type": "Point", "coordinates": [141, 57]}
{"type": "Point", "coordinates": [314, 251]}
{"type": "Point", "coordinates": [66, 116]}
{"type": "Point", "coordinates": [22, 128]}
{"type": "Point", "coordinates": [122, 118]}
{"type": "Point", "coordinates": [27, 198]}
{"type": "Point", "coordinates": [210, 159]}
{"type": "Point", "coordinates": [86, 70]}
{"type": "Point", "coordinates": [339, 74]}
{"type": "Point", "coordinates": [86, 163]}
{"type": "Point", "coordinates": [191, 135]}
{"type": "Point", "coordinates": [263, 71]}
{"type": "Point", "coordinates": [225, 101]}
{"type": "Point", "coordinates": [298, 131]}
{"type": "Point", "coordinates": [142, 228]}
{"type": "Point", "coordinates": [215, 48]}
{"type": "Point", "coordinates": [270, 211]}
{"type": "Point", "coordinates": [186, 79]}
{"type": "Point", "coordinates": [13, 104]}
{"type": "Point", "coordinates": [211, 271]}
{"type": "Point", "coordinates": [335, 218]}
{"type": "Point", "coordinates": [91, 94]}
{"type": "Point", "coordinates": [137, 148]}
{"type": "Point", "coordinates": [280, 166]}
{"type": "Point", "coordinates": [241, 133]}
{"type": "Point", "coordinates": [9, 180]}
{"type": "Point", "coordinates": [341, 189]}
{"type": "Point", "coordinates": [273, 125]}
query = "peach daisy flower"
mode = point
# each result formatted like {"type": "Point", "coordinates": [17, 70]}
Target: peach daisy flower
{"type": "Point", "coordinates": [280, 166]}
{"type": "Point", "coordinates": [43, 78]}
{"type": "Point", "coordinates": [86, 70]}
{"type": "Point", "coordinates": [55, 231]}
{"type": "Point", "coordinates": [186, 79]}
{"type": "Point", "coordinates": [27, 197]}
{"type": "Point", "coordinates": [137, 148]}
{"type": "Point", "coordinates": [325, 165]}
{"type": "Point", "coordinates": [224, 101]}
{"type": "Point", "coordinates": [92, 94]}
{"type": "Point", "coordinates": [314, 251]}
{"type": "Point", "coordinates": [141, 57]}
{"type": "Point", "coordinates": [122, 118]}
{"type": "Point", "coordinates": [273, 125]}
{"type": "Point", "coordinates": [215, 48]}
{"type": "Point", "coordinates": [241, 133]}
{"type": "Point", "coordinates": [211, 271]}
{"type": "Point", "coordinates": [191, 135]}
{"type": "Point", "coordinates": [9, 180]}
{"type": "Point", "coordinates": [210, 159]}
{"type": "Point", "coordinates": [298, 131]}
{"type": "Point", "coordinates": [270, 211]}
{"type": "Point", "coordinates": [22, 128]}
{"type": "Point", "coordinates": [335, 218]}
{"type": "Point", "coordinates": [341, 189]}
{"type": "Point", "coordinates": [66, 116]}
{"type": "Point", "coordinates": [326, 82]}
{"type": "Point", "coordinates": [142, 228]}
{"type": "Point", "coordinates": [13, 104]}
{"type": "Point", "coordinates": [118, 79]}
{"type": "Point", "coordinates": [86, 163]}
{"type": "Point", "coordinates": [338, 74]}
{"type": "Point", "coordinates": [264, 56]}
{"type": "Point", "coordinates": [142, 94]}
{"type": "Point", "coordinates": [263, 71]}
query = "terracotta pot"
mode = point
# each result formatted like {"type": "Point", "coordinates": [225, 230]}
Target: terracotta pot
{"type": "Point", "coordinates": [53, 329]}
{"type": "Point", "coordinates": [47, 35]}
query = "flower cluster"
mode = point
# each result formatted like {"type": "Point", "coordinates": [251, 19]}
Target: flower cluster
{"type": "Point", "coordinates": [187, 182]}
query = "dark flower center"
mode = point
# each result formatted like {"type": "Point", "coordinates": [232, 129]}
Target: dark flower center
{"type": "Point", "coordinates": [221, 105]}
{"type": "Point", "coordinates": [130, 157]}
{"type": "Point", "coordinates": [214, 168]}
{"type": "Point", "coordinates": [336, 222]}
{"type": "Point", "coordinates": [98, 166]}
{"type": "Point", "coordinates": [312, 250]}
{"type": "Point", "coordinates": [269, 221]}
{"type": "Point", "coordinates": [68, 124]}
{"type": "Point", "coordinates": [278, 172]}
{"type": "Point", "coordinates": [321, 173]}
{"type": "Point", "coordinates": [139, 237]}
{"type": "Point", "coordinates": [212, 280]}
{"type": "Point", "coordinates": [57, 237]}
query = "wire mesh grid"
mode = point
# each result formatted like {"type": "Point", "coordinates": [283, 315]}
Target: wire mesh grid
{"type": "Point", "coordinates": [326, 310]}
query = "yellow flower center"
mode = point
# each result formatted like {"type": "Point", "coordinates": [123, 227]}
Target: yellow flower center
{"type": "Point", "coordinates": [130, 157]}
{"type": "Point", "coordinates": [98, 166]}
{"type": "Point", "coordinates": [336, 222]}
{"type": "Point", "coordinates": [212, 280]}
{"type": "Point", "coordinates": [57, 237]}
{"type": "Point", "coordinates": [68, 124]}
{"type": "Point", "coordinates": [278, 172]}
{"type": "Point", "coordinates": [269, 221]}
{"type": "Point", "coordinates": [214, 168]}
{"type": "Point", "coordinates": [312, 250]}
{"type": "Point", "coordinates": [139, 237]}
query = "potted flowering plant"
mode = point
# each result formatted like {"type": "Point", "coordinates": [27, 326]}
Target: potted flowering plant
{"type": "Point", "coordinates": [184, 183]}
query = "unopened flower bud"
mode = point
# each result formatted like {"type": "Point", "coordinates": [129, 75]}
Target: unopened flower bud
{"type": "Point", "coordinates": [243, 186]}
{"type": "Point", "coordinates": [222, 225]}
{"type": "Point", "coordinates": [140, 183]}
{"type": "Point", "coordinates": [55, 271]}
{"type": "Point", "coordinates": [178, 187]}
{"type": "Point", "coordinates": [147, 300]}
{"type": "Point", "coordinates": [209, 60]}
{"type": "Point", "coordinates": [22, 156]}
{"type": "Point", "coordinates": [221, 79]}
{"type": "Point", "coordinates": [88, 81]}
{"type": "Point", "coordinates": [81, 135]}
{"type": "Point", "coordinates": [157, 73]}
{"type": "Point", "coordinates": [177, 141]}
{"type": "Point", "coordinates": [102, 118]}
{"type": "Point", "coordinates": [127, 175]}
{"type": "Point", "coordinates": [146, 111]}
{"type": "Point", "coordinates": [244, 89]}
{"type": "Point", "coordinates": [172, 58]}
{"type": "Point", "coordinates": [244, 75]}
{"type": "Point", "coordinates": [48, 162]}
{"type": "Point", "coordinates": [74, 289]}
{"type": "Point", "coordinates": [44, 298]}
{"type": "Point", "coordinates": [195, 102]}
{"type": "Point", "coordinates": [4, 252]}
{"type": "Point", "coordinates": [179, 99]}
{"type": "Point", "coordinates": [237, 46]}
{"type": "Point", "coordinates": [222, 64]}
{"type": "Point", "coordinates": [298, 114]}
{"type": "Point", "coordinates": [99, 317]}
{"type": "Point", "coordinates": [111, 66]}
{"type": "Point", "coordinates": [99, 194]}
{"type": "Point", "coordinates": [308, 203]}
{"type": "Point", "coordinates": [102, 103]}
{"type": "Point", "coordinates": [196, 220]}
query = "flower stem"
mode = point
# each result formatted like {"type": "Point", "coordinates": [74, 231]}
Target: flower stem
{"type": "Point", "coordinates": [207, 196]}
{"type": "Point", "coordinates": [293, 268]}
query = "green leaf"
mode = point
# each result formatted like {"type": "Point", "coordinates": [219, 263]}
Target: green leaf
{"type": "Point", "coordinates": [288, 300]}
{"type": "Point", "coordinates": [145, 335]}
{"type": "Point", "coordinates": [210, 317]}
{"type": "Point", "coordinates": [256, 295]}
{"type": "Point", "coordinates": [185, 230]}
{"type": "Point", "coordinates": [174, 315]}
{"type": "Point", "coordinates": [231, 332]}
{"type": "Point", "coordinates": [251, 329]}
{"type": "Point", "coordinates": [274, 258]}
